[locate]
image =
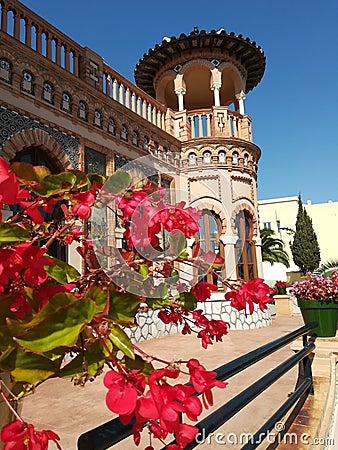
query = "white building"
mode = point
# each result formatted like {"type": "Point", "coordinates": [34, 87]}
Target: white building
{"type": "Point", "coordinates": [280, 214]}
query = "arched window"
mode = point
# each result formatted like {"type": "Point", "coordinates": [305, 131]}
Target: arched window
{"type": "Point", "coordinates": [5, 70]}
{"type": "Point", "coordinates": [48, 92]}
{"type": "Point", "coordinates": [208, 238]}
{"type": "Point", "coordinates": [156, 149]}
{"type": "Point", "coordinates": [245, 247]}
{"type": "Point", "coordinates": [192, 161]}
{"type": "Point", "coordinates": [246, 160]}
{"type": "Point", "coordinates": [111, 126]}
{"type": "Point", "coordinates": [66, 102]}
{"type": "Point", "coordinates": [37, 157]}
{"type": "Point", "coordinates": [124, 133]}
{"type": "Point", "coordinates": [221, 156]}
{"type": "Point", "coordinates": [145, 143]}
{"type": "Point", "coordinates": [97, 118]}
{"type": "Point", "coordinates": [207, 157]}
{"type": "Point", "coordinates": [135, 138]}
{"type": "Point", "coordinates": [27, 82]}
{"type": "Point", "coordinates": [83, 111]}
{"type": "Point", "coordinates": [235, 158]}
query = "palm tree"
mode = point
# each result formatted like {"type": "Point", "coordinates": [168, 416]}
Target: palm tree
{"type": "Point", "coordinates": [327, 268]}
{"type": "Point", "coordinates": [273, 248]}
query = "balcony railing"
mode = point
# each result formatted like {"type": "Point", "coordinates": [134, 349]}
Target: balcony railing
{"type": "Point", "coordinates": [219, 122]}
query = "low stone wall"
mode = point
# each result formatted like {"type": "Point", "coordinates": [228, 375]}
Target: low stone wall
{"type": "Point", "coordinates": [150, 326]}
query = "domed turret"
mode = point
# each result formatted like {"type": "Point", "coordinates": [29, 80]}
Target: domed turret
{"type": "Point", "coordinates": [201, 70]}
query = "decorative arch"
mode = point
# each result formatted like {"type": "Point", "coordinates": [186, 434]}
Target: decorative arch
{"type": "Point", "coordinates": [164, 88]}
{"type": "Point", "coordinates": [36, 138]}
{"type": "Point", "coordinates": [245, 207]}
{"type": "Point", "coordinates": [214, 206]}
{"type": "Point", "coordinates": [196, 62]}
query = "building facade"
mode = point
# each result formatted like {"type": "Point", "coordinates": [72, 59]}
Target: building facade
{"type": "Point", "coordinates": [61, 105]}
{"type": "Point", "coordinates": [280, 214]}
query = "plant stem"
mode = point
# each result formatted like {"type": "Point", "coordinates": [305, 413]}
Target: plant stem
{"type": "Point", "coordinates": [5, 399]}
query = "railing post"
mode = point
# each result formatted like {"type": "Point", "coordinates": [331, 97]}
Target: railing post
{"type": "Point", "coordinates": [307, 366]}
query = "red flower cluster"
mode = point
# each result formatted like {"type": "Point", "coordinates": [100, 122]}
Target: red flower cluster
{"type": "Point", "coordinates": [84, 202]}
{"type": "Point", "coordinates": [145, 214]}
{"type": "Point", "coordinates": [254, 291]}
{"type": "Point", "coordinates": [27, 257]}
{"type": "Point", "coordinates": [9, 185]}
{"type": "Point", "coordinates": [211, 329]}
{"type": "Point", "coordinates": [161, 405]}
{"type": "Point", "coordinates": [18, 435]}
{"type": "Point", "coordinates": [202, 290]}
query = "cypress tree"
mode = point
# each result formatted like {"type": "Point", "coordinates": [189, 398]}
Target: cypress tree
{"type": "Point", "coordinates": [305, 249]}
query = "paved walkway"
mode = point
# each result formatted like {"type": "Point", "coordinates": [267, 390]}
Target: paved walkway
{"type": "Point", "coordinates": [71, 410]}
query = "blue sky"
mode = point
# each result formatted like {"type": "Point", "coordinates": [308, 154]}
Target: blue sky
{"type": "Point", "coordinates": [294, 108]}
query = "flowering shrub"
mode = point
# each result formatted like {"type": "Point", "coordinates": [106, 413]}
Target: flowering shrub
{"type": "Point", "coordinates": [317, 287]}
{"type": "Point", "coordinates": [280, 284]}
{"type": "Point", "coordinates": [49, 310]}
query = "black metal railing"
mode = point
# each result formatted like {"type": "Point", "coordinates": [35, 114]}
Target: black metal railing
{"type": "Point", "coordinates": [112, 432]}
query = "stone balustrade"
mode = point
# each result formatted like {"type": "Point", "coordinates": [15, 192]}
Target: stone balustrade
{"type": "Point", "coordinates": [20, 22]}
{"type": "Point", "coordinates": [219, 122]}
{"type": "Point", "coordinates": [122, 90]}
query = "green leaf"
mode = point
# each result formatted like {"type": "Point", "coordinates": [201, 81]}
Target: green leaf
{"type": "Point", "coordinates": [82, 181]}
{"type": "Point", "coordinates": [144, 270]}
{"type": "Point", "coordinates": [60, 328]}
{"type": "Point", "coordinates": [189, 300]}
{"type": "Point", "coordinates": [57, 302]}
{"type": "Point", "coordinates": [139, 364]}
{"type": "Point", "coordinates": [62, 272]}
{"type": "Point", "coordinates": [157, 303]}
{"type": "Point", "coordinates": [99, 297]}
{"type": "Point", "coordinates": [10, 232]}
{"type": "Point", "coordinates": [177, 243]}
{"type": "Point", "coordinates": [55, 184]}
{"type": "Point", "coordinates": [29, 173]}
{"type": "Point", "coordinates": [121, 341]}
{"type": "Point", "coordinates": [123, 307]}
{"type": "Point", "coordinates": [90, 362]}
{"type": "Point", "coordinates": [28, 367]}
{"type": "Point", "coordinates": [115, 184]}
{"type": "Point", "coordinates": [5, 335]}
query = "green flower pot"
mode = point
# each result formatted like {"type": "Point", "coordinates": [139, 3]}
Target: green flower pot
{"type": "Point", "coordinates": [281, 290]}
{"type": "Point", "coordinates": [325, 313]}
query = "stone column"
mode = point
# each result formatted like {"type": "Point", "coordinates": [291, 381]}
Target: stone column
{"type": "Point", "coordinates": [241, 97]}
{"type": "Point", "coordinates": [180, 92]}
{"type": "Point", "coordinates": [4, 13]}
{"type": "Point", "coordinates": [216, 86]}
{"type": "Point", "coordinates": [229, 243]}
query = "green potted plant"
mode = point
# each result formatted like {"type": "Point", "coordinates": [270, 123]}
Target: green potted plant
{"type": "Point", "coordinates": [317, 297]}
{"type": "Point", "coordinates": [281, 286]}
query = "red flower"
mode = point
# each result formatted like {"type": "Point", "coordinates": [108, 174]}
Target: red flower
{"type": "Point", "coordinates": [20, 306]}
{"type": "Point", "coordinates": [254, 291]}
{"type": "Point", "coordinates": [9, 185]}
{"type": "Point", "coordinates": [33, 209]}
{"type": "Point", "coordinates": [74, 235]}
{"type": "Point", "coordinates": [46, 292]}
{"type": "Point", "coordinates": [123, 392]}
{"type": "Point", "coordinates": [34, 259]}
{"type": "Point", "coordinates": [84, 202]}
{"type": "Point", "coordinates": [20, 436]}
{"type": "Point", "coordinates": [211, 329]}
{"type": "Point", "coordinates": [202, 290]}
{"type": "Point", "coordinates": [203, 380]}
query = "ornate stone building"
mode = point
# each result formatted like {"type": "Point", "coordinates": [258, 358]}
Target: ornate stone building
{"type": "Point", "coordinates": [63, 106]}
